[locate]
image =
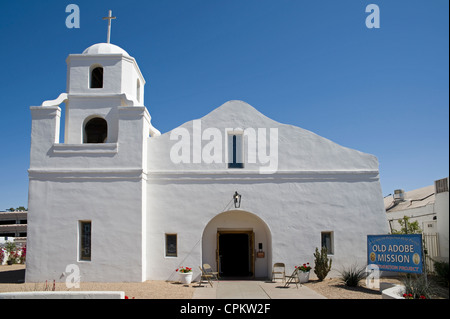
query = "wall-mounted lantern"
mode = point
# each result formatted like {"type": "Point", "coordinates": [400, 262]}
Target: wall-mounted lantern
{"type": "Point", "coordinates": [237, 200]}
{"type": "Point", "coordinates": [260, 252]}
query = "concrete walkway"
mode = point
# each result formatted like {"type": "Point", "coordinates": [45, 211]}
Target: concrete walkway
{"type": "Point", "coordinates": [253, 289]}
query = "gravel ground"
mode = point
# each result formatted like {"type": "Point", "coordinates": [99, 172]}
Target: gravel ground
{"type": "Point", "coordinates": [12, 277]}
{"type": "Point", "coordinates": [333, 288]}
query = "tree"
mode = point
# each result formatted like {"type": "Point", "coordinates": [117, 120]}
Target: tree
{"type": "Point", "coordinates": [12, 209]}
{"type": "Point", "coordinates": [322, 263]}
{"type": "Point", "coordinates": [407, 227]}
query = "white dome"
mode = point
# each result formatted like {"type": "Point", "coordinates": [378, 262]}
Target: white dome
{"type": "Point", "coordinates": [105, 48]}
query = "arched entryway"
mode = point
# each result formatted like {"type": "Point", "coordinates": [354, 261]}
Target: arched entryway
{"type": "Point", "coordinates": [238, 244]}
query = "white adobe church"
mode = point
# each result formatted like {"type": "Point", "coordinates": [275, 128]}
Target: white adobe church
{"type": "Point", "coordinates": [233, 189]}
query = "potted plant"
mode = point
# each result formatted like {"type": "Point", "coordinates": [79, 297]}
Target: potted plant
{"type": "Point", "coordinates": [13, 257]}
{"type": "Point", "coordinates": [185, 275]}
{"type": "Point", "coordinates": [303, 272]}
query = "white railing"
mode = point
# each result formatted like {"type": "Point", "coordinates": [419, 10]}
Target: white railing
{"type": "Point", "coordinates": [431, 247]}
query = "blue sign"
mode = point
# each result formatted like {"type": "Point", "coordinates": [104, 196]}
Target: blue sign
{"type": "Point", "coordinates": [402, 253]}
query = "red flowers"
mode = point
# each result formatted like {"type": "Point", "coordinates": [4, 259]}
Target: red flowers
{"type": "Point", "coordinates": [304, 267]}
{"type": "Point", "coordinates": [410, 296]}
{"type": "Point", "coordinates": [14, 255]}
{"type": "Point", "coordinates": [184, 269]}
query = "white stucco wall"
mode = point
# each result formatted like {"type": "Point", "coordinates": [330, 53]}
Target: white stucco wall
{"type": "Point", "coordinates": [112, 206]}
{"type": "Point", "coordinates": [319, 186]}
{"type": "Point", "coordinates": [299, 149]}
{"type": "Point", "coordinates": [442, 211]}
{"type": "Point", "coordinates": [295, 214]}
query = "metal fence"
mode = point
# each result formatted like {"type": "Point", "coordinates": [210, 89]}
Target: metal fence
{"type": "Point", "coordinates": [431, 248]}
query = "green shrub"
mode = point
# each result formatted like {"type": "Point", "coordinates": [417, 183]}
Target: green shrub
{"type": "Point", "coordinates": [322, 263]}
{"type": "Point", "coordinates": [353, 275]}
{"type": "Point", "coordinates": [441, 269]}
{"type": "Point", "coordinates": [417, 286]}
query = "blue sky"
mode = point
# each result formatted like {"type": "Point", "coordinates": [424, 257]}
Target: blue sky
{"type": "Point", "coordinates": [312, 64]}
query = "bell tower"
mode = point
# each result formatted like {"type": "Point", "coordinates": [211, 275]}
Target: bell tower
{"type": "Point", "coordinates": [97, 177]}
{"type": "Point", "coordinates": [101, 79]}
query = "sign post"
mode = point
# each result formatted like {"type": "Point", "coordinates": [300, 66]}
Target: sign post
{"type": "Point", "coordinates": [401, 253]}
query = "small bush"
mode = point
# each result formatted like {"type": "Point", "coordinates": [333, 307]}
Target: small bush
{"type": "Point", "coordinates": [322, 263]}
{"type": "Point", "coordinates": [351, 276]}
{"type": "Point", "coordinates": [417, 287]}
{"type": "Point", "coordinates": [441, 268]}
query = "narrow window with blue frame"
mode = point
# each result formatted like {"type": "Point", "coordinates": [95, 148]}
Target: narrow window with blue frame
{"type": "Point", "coordinates": [235, 151]}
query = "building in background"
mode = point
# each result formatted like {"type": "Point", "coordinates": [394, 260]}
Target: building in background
{"type": "Point", "coordinates": [13, 226]}
{"type": "Point", "coordinates": [429, 206]}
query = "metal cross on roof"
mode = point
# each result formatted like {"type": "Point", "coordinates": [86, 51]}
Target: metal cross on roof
{"type": "Point", "coordinates": [109, 18]}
